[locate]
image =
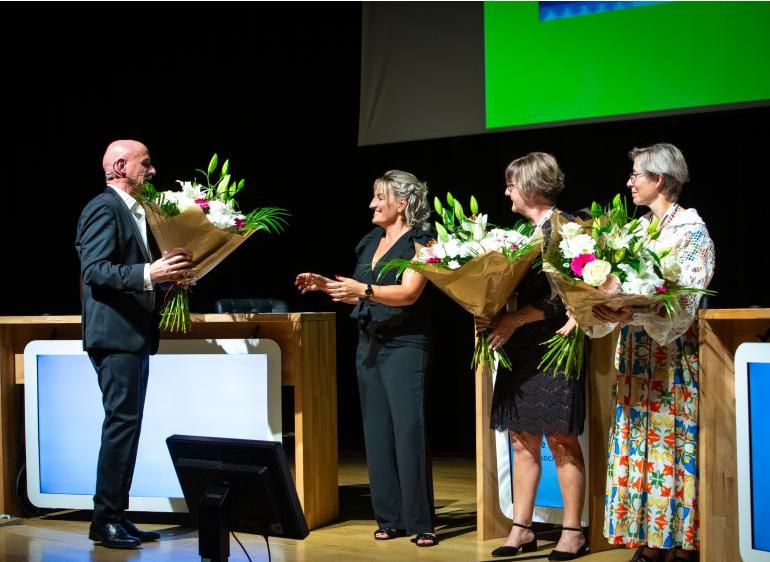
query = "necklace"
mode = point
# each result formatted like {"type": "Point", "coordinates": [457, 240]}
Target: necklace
{"type": "Point", "coordinates": [668, 215]}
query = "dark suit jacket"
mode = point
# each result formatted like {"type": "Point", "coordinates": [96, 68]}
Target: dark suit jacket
{"type": "Point", "coordinates": [118, 314]}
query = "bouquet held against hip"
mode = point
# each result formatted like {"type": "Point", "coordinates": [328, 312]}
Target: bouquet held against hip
{"type": "Point", "coordinates": [610, 259]}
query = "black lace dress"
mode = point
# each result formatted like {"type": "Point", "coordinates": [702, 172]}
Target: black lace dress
{"type": "Point", "coordinates": [526, 399]}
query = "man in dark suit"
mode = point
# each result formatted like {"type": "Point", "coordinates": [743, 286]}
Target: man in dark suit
{"type": "Point", "coordinates": [120, 326]}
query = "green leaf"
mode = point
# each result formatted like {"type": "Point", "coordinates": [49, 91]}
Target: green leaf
{"type": "Point", "coordinates": [449, 199]}
{"type": "Point", "coordinates": [213, 164]}
{"type": "Point", "coordinates": [443, 236]}
{"type": "Point", "coordinates": [616, 203]}
{"type": "Point", "coordinates": [596, 210]}
{"type": "Point", "coordinates": [226, 167]}
{"type": "Point", "coordinates": [474, 206]}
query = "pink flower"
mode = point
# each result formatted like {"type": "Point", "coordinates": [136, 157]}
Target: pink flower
{"type": "Point", "coordinates": [514, 247]}
{"type": "Point", "coordinates": [579, 262]}
{"type": "Point", "coordinates": [203, 203]}
{"type": "Point", "coordinates": [239, 223]}
{"type": "Point", "coordinates": [433, 259]}
{"type": "Point", "coordinates": [662, 289]}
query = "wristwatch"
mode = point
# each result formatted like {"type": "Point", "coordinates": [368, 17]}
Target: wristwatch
{"type": "Point", "coordinates": [368, 292]}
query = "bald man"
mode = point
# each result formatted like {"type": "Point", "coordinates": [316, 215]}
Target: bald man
{"type": "Point", "coordinates": [119, 275]}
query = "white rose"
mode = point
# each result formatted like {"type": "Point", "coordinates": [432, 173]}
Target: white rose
{"type": "Point", "coordinates": [453, 264]}
{"type": "Point", "coordinates": [570, 229]}
{"type": "Point", "coordinates": [595, 273]}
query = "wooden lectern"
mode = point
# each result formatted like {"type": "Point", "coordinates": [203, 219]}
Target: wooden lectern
{"type": "Point", "coordinates": [308, 353]}
{"type": "Point", "coordinates": [721, 331]}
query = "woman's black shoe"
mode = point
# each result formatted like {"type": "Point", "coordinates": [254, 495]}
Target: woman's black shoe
{"type": "Point", "coordinates": [562, 555]}
{"type": "Point", "coordinates": [530, 546]}
{"type": "Point", "coordinates": [112, 535]}
{"type": "Point", "coordinates": [389, 532]}
{"type": "Point", "coordinates": [429, 539]}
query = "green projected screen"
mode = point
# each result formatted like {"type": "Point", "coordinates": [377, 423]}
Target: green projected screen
{"type": "Point", "coordinates": [653, 58]}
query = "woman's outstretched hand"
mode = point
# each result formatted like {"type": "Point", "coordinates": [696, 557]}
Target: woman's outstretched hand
{"type": "Point", "coordinates": [345, 289]}
{"type": "Point", "coordinates": [307, 282]}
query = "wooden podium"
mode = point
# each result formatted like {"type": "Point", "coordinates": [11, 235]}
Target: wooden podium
{"type": "Point", "coordinates": [308, 353]}
{"type": "Point", "coordinates": [721, 331]}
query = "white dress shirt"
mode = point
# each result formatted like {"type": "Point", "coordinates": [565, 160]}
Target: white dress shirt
{"type": "Point", "coordinates": [138, 214]}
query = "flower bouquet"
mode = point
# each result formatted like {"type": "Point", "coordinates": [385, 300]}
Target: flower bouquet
{"type": "Point", "coordinates": [476, 266]}
{"type": "Point", "coordinates": [204, 219]}
{"type": "Point", "coordinates": [610, 260]}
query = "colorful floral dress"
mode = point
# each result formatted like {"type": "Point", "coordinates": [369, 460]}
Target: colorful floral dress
{"type": "Point", "coordinates": [652, 469]}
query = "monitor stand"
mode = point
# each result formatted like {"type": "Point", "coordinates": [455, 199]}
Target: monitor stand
{"type": "Point", "coordinates": [213, 528]}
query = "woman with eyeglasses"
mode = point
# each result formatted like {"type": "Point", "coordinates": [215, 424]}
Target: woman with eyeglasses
{"type": "Point", "coordinates": [529, 402]}
{"type": "Point", "coordinates": [652, 473]}
{"type": "Point", "coordinates": [393, 356]}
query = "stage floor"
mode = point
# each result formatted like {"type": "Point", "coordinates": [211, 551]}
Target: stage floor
{"type": "Point", "coordinates": [348, 540]}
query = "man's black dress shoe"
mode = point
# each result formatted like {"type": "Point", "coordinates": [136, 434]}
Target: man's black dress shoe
{"type": "Point", "coordinates": [144, 536]}
{"type": "Point", "coordinates": [112, 535]}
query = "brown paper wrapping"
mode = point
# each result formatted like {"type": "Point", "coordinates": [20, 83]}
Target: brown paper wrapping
{"type": "Point", "coordinates": [483, 285]}
{"type": "Point", "coordinates": [579, 297]}
{"type": "Point", "coordinates": [191, 230]}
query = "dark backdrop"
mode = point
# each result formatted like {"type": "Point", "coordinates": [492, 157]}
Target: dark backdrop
{"type": "Point", "coordinates": [275, 88]}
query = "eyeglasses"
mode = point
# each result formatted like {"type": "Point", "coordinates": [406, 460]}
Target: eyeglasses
{"type": "Point", "coordinates": [510, 186]}
{"type": "Point", "coordinates": [633, 175]}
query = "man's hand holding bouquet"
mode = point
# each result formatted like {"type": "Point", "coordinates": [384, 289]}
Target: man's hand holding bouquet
{"type": "Point", "coordinates": [204, 219]}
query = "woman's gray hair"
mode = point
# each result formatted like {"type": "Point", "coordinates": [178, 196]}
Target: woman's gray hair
{"type": "Point", "coordinates": [537, 173]}
{"type": "Point", "coordinates": [406, 186]}
{"type": "Point", "coordinates": [665, 160]}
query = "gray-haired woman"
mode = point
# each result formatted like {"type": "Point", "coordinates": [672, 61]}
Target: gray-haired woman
{"type": "Point", "coordinates": [652, 474]}
{"type": "Point", "coordinates": [393, 356]}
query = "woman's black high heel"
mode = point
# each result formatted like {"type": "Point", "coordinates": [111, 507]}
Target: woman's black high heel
{"type": "Point", "coordinates": [561, 555]}
{"type": "Point", "coordinates": [530, 546]}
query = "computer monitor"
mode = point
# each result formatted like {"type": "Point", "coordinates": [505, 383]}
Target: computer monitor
{"type": "Point", "coordinates": [221, 388]}
{"type": "Point", "coordinates": [752, 424]}
{"type": "Point", "coordinates": [236, 485]}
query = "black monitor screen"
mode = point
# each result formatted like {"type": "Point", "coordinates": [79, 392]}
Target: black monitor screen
{"type": "Point", "coordinates": [261, 496]}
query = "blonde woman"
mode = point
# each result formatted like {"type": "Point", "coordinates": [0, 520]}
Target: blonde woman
{"type": "Point", "coordinates": [527, 401]}
{"type": "Point", "coordinates": [393, 356]}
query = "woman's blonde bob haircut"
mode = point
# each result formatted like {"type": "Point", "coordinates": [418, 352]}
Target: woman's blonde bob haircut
{"type": "Point", "coordinates": [536, 174]}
